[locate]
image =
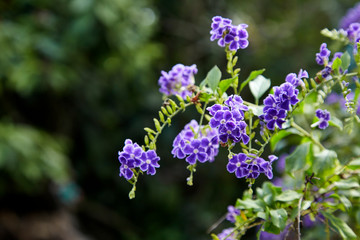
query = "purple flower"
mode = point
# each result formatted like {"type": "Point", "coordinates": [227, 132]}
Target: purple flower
{"type": "Point", "coordinates": [203, 148]}
{"type": "Point", "coordinates": [266, 166]}
{"type": "Point", "coordinates": [238, 165]}
{"type": "Point", "coordinates": [218, 26]}
{"type": "Point", "coordinates": [237, 37]}
{"type": "Point", "coordinates": [149, 162]}
{"type": "Point", "coordinates": [225, 233]}
{"type": "Point", "coordinates": [229, 120]}
{"type": "Point", "coordinates": [324, 117]}
{"type": "Point", "coordinates": [196, 151]}
{"type": "Point", "coordinates": [228, 34]}
{"type": "Point", "coordinates": [322, 57]}
{"type": "Point", "coordinates": [352, 15]}
{"type": "Point", "coordinates": [353, 32]}
{"type": "Point", "coordinates": [232, 213]}
{"type": "Point", "coordinates": [296, 80]}
{"type": "Point", "coordinates": [271, 236]}
{"type": "Point", "coordinates": [129, 158]}
{"type": "Point", "coordinates": [273, 116]}
{"type": "Point", "coordinates": [178, 80]}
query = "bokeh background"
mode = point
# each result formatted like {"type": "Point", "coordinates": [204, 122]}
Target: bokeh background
{"type": "Point", "coordinates": [78, 77]}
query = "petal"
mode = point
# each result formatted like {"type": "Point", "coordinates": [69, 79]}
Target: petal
{"type": "Point", "coordinates": [191, 159]}
{"type": "Point", "coordinates": [188, 149]}
{"type": "Point", "coordinates": [245, 138]}
{"type": "Point", "coordinates": [201, 156]}
{"type": "Point", "coordinates": [151, 170]}
{"type": "Point", "coordinates": [231, 167]}
{"type": "Point", "coordinates": [144, 167]}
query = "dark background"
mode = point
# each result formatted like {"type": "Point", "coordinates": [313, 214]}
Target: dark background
{"type": "Point", "coordinates": [79, 77]}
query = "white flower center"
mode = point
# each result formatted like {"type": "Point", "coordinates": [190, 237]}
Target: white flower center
{"type": "Point", "coordinates": [132, 155]}
{"type": "Point", "coordinates": [221, 25]}
{"type": "Point", "coordinates": [238, 164]}
{"type": "Point", "coordinates": [222, 121]}
{"type": "Point", "coordinates": [236, 38]}
{"type": "Point", "coordinates": [275, 117]}
{"type": "Point", "coordinates": [228, 132]}
{"type": "Point", "coordinates": [125, 166]}
{"type": "Point", "coordinates": [196, 151]}
{"type": "Point", "coordinates": [148, 161]}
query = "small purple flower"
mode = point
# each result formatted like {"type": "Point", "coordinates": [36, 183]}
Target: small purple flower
{"type": "Point", "coordinates": [266, 166]}
{"type": "Point", "coordinates": [196, 151]}
{"type": "Point", "coordinates": [204, 148]}
{"type": "Point", "coordinates": [232, 213]}
{"type": "Point", "coordinates": [273, 116]}
{"type": "Point", "coordinates": [218, 26]}
{"type": "Point", "coordinates": [271, 236]}
{"type": "Point", "coordinates": [129, 158]}
{"type": "Point", "coordinates": [149, 162]}
{"type": "Point", "coordinates": [353, 32]}
{"type": "Point", "coordinates": [322, 57]}
{"type": "Point", "coordinates": [177, 80]}
{"type": "Point", "coordinates": [324, 117]}
{"type": "Point", "coordinates": [237, 37]}
{"type": "Point", "coordinates": [296, 80]}
{"type": "Point", "coordinates": [227, 34]}
{"type": "Point", "coordinates": [229, 120]}
{"type": "Point", "coordinates": [238, 165]}
{"type": "Point", "coordinates": [225, 233]}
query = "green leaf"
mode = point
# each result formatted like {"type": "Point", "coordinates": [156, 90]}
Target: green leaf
{"type": "Point", "coordinates": [259, 86]}
{"type": "Point", "coordinates": [325, 162]}
{"type": "Point", "coordinates": [279, 218]}
{"type": "Point", "coordinates": [225, 84]}
{"type": "Point", "coordinates": [334, 121]}
{"type": "Point", "coordinates": [305, 204]}
{"type": "Point", "coordinates": [271, 228]}
{"type": "Point", "coordinates": [214, 236]}
{"type": "Point", "coordinates": [252, 75]}
{"type": "Point", "coordinates": [205, 97]}
{"type": "Point", "coordinates": [345, 231]}
{"type": "Point", "coordinates": [354, 164]}
{"type": "Point", "coordinates": [336, 64]}
{"type": "Point", "coordinates": [256, 110]}
{"type": "Point", "coordinates": [347, 183]}
{"type": "Point", "coordinates": [213, 78]}
{"type": "Point", "coordinates": [345, 61]}
{"type": "Point", "coordinates": [249, 204]}
{"type": "Point", "coordinates": [297, 159]}
{"type": "Point", "coordinates": [288, 196]}
{"type": "Point", "coordinates": [277, 137]}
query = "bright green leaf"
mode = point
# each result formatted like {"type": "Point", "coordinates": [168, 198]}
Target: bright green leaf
{"type": "Point", "coordinates": [225, 84]}
{"type": "Point", "coordinates": [306, 204]}
{"type": "Point", "coordinates": [278, 218]}
{"type": "Point", "coordinates": [205, 97]}
{"type": "Point", "coordinates": [259, 86]}
{"type": "Point", "coordinates": [277, 137]}
{"type": "Point", "coordinates": [297, 159]}
{"type": "Point", "coordinates": [345, 61]}
{"type": "Point", "coordinates": [336, 64]}
{"type": "Point", "coordinates": [288, 196]}
{"type": "Point", "coordinates": [345, 231]}
{"type": "Point", "coordinates": [325, 161]}
{"type": "Point", "coordinates": [249, 204]}
{"type": "Point", "coordinates": [213, 78]}
{"type": "Point", "coordinates": [347, 183]}
{"type": "Point", "coordinates": [252, 75]}
{"type": "Point", "coordinates": [354, 164]}
{"type": "Point", "coordinates": [334, 121]}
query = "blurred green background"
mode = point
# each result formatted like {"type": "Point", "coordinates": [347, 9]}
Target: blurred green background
{"type": "Point", "coordinates": [79, 77]}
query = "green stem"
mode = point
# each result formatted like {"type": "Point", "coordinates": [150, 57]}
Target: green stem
{"type": "Point", "coordinates": [202, 118]}
{"type": "Point", "coordinates": [307, 134]}
{"type": "Point", "coordinates": [167, 122]}
{"type": "Point", "coordinates": [250, 127]}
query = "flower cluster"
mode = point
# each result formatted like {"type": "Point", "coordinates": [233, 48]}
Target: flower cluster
{"type": "Point", "coordinates": [352, 15]}
{"type": "Point", "coordinates": [324, 117]}
{"type": "Point", "coordinates": [228, 34]}
{"type": "Point", "coordinates": [248, 167]}
{"type": "Point", "coordinates": [228, 119]}
{"type": "Point", "coordinates": [285, 95]}
{"type": "Point", "coordinates": [196, 143]}
{"type": "Point", "coordinates": [232, 214]}
{"type": "Point", "coordinates": [178, 80]}
{"type": "Point", "coordinates": [134, 156]}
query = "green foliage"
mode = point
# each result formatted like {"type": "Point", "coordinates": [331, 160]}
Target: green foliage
{"type": "Point", "coordinates": [259, 86]}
